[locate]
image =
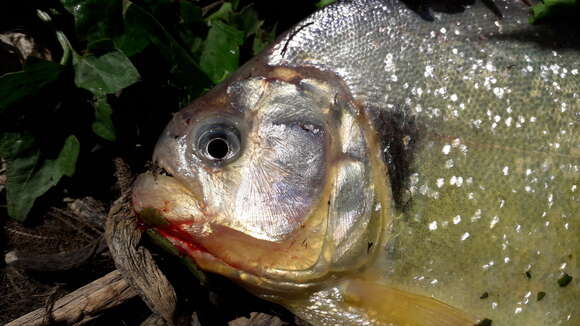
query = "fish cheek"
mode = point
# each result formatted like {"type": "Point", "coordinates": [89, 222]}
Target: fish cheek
{"type": "Point", "coordinates": [283, 175]}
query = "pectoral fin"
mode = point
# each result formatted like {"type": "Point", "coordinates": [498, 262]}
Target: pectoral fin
{"type": "Point", "coordinates": [395, 307]}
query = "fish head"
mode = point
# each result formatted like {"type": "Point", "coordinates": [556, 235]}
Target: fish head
{"type": "Point", "coordinates": [276, 181]}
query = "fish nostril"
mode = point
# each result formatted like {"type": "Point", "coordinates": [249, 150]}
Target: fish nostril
{"type": "Point", "coordinates": [158, 170]}
{"type": "Point", "coordinates": [218, 148]}
{"type": "Point", "coordinates": [164, 172]}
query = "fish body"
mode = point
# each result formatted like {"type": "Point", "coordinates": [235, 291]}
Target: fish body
{"type": "Point", "coordinates": [374, 168]}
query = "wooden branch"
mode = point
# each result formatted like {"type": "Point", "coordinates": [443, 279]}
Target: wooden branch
{"type": "Point", "coordinates": [258, 319]}
{"type": "Point", "coordinates": [83, 304]}
{"type": "Point", "coordinates": [136, 262]}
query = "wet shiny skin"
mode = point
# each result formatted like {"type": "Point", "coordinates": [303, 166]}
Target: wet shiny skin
{"type": "Point", "coordinates": [297, 203]}
{"type": "Point", "coordinates": [493, 192]}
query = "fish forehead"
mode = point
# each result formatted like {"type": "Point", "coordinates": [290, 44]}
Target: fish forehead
{"type": "Point", "coordinates": [493, 189]}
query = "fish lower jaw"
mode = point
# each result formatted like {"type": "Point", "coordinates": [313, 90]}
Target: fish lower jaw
{"type": "Point", "coordinates": [261, 284]}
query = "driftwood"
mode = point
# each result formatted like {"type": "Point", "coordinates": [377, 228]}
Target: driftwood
{"type": "Point", "coordinates": [135, 262]}
{"type": "Point", "coordinates": [154, 320]}
{"type": "Point", "coordinates": [91, 300]}
{"type": "Point", "coordinates": [83, 304]}
{"type": "Point", "coordinates": [136, 274]}
{"type": "Point", "coordinates": [138, 266]}
{"type": "Point", "coordinates": [258, 319]}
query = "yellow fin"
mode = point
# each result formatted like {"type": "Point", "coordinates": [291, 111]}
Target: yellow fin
{"type": "Point", "coordinates": [391, 306]}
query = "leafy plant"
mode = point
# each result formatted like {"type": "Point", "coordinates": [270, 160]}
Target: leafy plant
{"type": "Point", "coordinates": [553, 9]}
{"type": "Point", "coordinates": [324, 3]}
{"type": "Point", "coordinates": [123, 65]}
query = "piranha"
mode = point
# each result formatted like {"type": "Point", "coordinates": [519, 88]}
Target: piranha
{"type": "Point", "coordinates": [375, 168]}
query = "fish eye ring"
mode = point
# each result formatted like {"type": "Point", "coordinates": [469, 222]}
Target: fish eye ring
{"type": "Point", "coordinates": [219, 143]}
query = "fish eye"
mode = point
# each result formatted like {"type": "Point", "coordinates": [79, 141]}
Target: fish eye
{"type": "Point", "coordinates": [218, 143]}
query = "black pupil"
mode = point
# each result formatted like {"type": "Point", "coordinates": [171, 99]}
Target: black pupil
{"type": "Point", "coordinates": [218, 148]}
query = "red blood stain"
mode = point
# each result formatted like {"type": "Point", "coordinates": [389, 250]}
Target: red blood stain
{"type": "Point", "coordinates": [183, 239]}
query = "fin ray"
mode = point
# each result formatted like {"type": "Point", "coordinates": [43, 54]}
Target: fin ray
{"type": "Point", "coordinates": [396, 307]}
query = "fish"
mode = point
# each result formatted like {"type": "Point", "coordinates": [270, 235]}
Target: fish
{"type": "Point", "coordinates": [372, 167]}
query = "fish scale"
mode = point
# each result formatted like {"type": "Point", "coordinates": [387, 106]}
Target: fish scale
{"type": "Point", "coordinates": [498, 104]}
{"type": "Point", "coordinates": [479, 119]}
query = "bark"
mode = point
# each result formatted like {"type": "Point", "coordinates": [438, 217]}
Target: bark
{"type": "Point", "coordinates": [136, 263]}
{"type": "Point", "coordinates": [258, 319]}
{"type": "Point", "coordinates": [83, 304]}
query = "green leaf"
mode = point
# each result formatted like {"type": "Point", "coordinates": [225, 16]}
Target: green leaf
{"type": "Point", "coordinates": [185, 71]}
{"type": "Point", "coordinates": [103, 125]}
{"type": "Point", "coordinates": [14, 144]}
{"type": "Point", "coordinates": [190, 28]}
{"type": "Point", "coordinates": [196, 46]}
{"type": "Point", "coordinates": [324, 3]}
{"type": "Point", "coordinates": [160, 9]}
{"type": "Point", "coordinates": [29, 177]}
{"type": "Point", "coordinates": [549, 9]}
{"type": "Point", "coordinates": [221, 52]}
{"type": "Point", "coordinates": [248, 21]}
{"type": "Point", "coordinates": [190, 13]}
{"type": "Point", "coordinates": [225, 13]}
{"type": "Point", "coordinates": [134, 39]}
{"type": "Point", "coordinates": [96, 19]}
{"type": "Point", "coordinates": [235, 4]}
{"type": "Point", "coordinates": [106, 74]}
{"type": "Point", "coordinates": [36, 75]}
{"type": "Point", "coordinates": [263, 38]}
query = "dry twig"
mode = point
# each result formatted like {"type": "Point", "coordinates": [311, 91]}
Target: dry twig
{"type": "Point", "coordinates": [136, 263]}
{"type": "Point", "coordinates": [83, 304]}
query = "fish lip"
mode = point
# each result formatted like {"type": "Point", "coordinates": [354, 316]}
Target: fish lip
{"type": "Point", "coordinates": [158, 167]}
{"type": "Point", "coordinates": [259, 283]}
{"type": "Point", "coordinates": [145, 202]}
{"type": "Point", "coordinates": [185, 243]}
{"type": "Point", "coordinates": [189, 247]}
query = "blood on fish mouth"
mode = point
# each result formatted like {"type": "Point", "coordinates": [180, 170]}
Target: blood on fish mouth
{"type": "Point", "coordinates": [186, 244]}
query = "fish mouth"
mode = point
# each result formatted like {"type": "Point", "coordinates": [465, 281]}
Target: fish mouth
{"type": "Point", "coordinates": [168, 208]}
